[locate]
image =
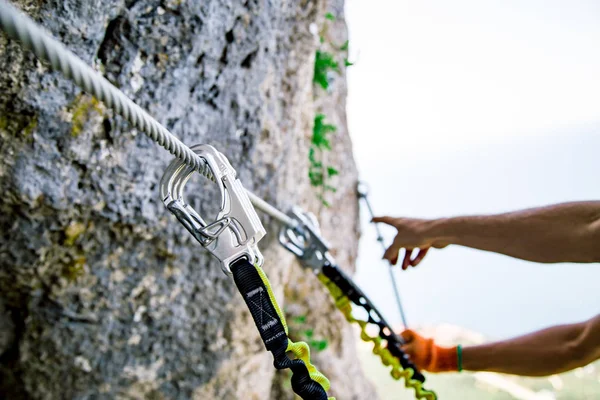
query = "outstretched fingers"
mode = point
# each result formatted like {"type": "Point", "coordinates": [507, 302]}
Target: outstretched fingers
{"type": "Point", "coordinates": [420, 256]}
{"type": "Point", "coordinates": [392, 252]}
{"type": "Point", "coordinates": [407, 258]}
{"type": "Point", "coordinates": [385, 219]}
{"type": "Point", "coordinates": [409, 261]}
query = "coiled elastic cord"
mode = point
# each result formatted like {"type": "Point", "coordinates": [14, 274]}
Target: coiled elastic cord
{"type": "Point", "coordinates": [254, 286]}
{"type": "Point", "coordinates": [345, 292]}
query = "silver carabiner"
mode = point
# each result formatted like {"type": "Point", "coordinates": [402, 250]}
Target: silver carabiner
{"type": "Point", "coordinates": [236, 230]}
{"type": "Point", "coordinates": [305, 241]}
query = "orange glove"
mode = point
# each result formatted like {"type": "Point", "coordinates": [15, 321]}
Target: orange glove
{"type": "Point", "coordinates": [427, 356]}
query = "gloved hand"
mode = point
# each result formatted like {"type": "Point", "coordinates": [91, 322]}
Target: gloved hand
{"type": "Point", "coordinates": [426, 355]}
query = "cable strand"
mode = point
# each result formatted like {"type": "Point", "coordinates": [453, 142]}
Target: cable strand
{"type": "Point", "coordinates": [390, 269]}
{"type": "Point", "coordinates": [20, 27]}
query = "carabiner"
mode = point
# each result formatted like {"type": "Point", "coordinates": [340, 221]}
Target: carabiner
{"type": "Point", "coordinates": [305, 241]}
{"type": "Point", "coordinates": [236, 230]}
{"type": "Point", "coordinates": [362, 189]}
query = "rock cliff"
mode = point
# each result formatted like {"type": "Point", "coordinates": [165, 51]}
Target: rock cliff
{"type": "Point", "coordinates": [103, 294]}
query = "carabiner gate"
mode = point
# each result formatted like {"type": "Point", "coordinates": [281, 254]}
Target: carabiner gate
{"type": "Point", "coordinates": [305, 241]}
{"type": "Point", "coordinates": [236, 230]}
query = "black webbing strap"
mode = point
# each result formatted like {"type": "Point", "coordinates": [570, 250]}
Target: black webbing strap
{"type": "Point", "coordinates": [349, 288]}
{"type": "Point", "coordinates": [271, 329]}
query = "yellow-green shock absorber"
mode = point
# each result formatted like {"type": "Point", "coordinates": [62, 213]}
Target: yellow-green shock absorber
{"type": "Point", "coordinates": [304, 240]}
{"type": "Point", "coordinates": [344, 304]}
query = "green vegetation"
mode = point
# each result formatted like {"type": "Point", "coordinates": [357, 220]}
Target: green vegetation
{"type": "Point", "coordinates": [307, 335]}
{"type": "Point", "coordinates": [324, 62]}
{"type": "Point", "coordinates": [320, 132]}
{"type": "Point", "coordinates": [315, 344]}
{"type": "Point", "coordinates": [318, 172]}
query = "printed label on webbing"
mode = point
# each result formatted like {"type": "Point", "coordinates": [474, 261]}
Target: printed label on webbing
{"type": "Point", "coordinates": [266, 320]}
{"type": "Point", "coordinates": [269, 324]}
{"type": "Point", "coordinates": [255, 291]}
{"type": "Point", "coordinates": [279, 334]}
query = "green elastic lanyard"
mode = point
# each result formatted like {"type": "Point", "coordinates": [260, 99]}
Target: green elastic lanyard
{"type": "Point", "coordinates": [459, 355]}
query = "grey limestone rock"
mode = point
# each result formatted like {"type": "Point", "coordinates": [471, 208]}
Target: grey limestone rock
{"type": "Point", "coordinates": [103, 294]}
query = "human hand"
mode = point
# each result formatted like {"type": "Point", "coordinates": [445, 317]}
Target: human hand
{"type": "Point", "coordinates": [426, 355]}
{"type": "Point", "coordinates": [412, 234]}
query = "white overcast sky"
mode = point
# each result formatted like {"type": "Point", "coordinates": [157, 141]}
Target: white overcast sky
{"type": "Point", "coordinates": [449, 73]}
{"type": "Point", "coordinates": [474, 106]}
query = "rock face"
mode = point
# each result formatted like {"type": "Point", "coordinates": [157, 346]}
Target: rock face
{"type": "Point", "coordinates": [103, 294]}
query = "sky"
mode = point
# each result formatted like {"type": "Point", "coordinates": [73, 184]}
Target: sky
{"type": "Point", "coordinates": [476, 107]}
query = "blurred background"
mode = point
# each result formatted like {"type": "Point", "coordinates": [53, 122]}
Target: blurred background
{"type": "Point", "coordinates": [470, 107]}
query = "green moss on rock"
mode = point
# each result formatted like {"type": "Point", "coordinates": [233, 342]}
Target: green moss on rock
{"type": "Point", "coordinates": [72, 232]}
{"type": "Point", "coordinates": [81, 111]}
{"type": "Point", "coordinates": [14, 124]}
{"type": "Point", "coordinates": [73, 270]}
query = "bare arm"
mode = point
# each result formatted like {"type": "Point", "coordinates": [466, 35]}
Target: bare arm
{"type": "Point", "coordinates": [546, 352]}
{"type": "Point", "coordinates": [568, 232]}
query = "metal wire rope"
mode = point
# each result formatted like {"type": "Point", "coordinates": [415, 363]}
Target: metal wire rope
{"type": "Point", "coordinates": [45, 47]}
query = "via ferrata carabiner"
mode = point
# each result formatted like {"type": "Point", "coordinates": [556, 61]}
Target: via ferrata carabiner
{"type": "Point", "coordinates": [236, 230]}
